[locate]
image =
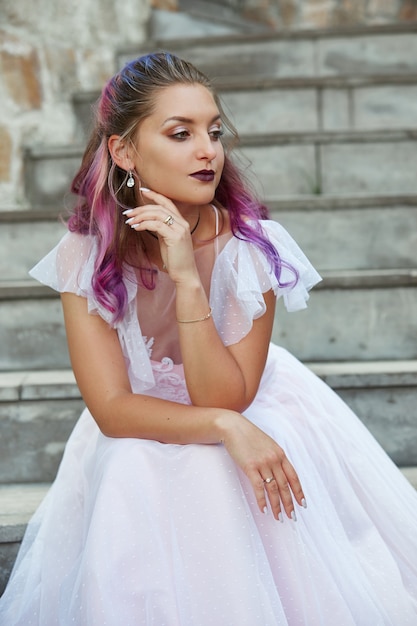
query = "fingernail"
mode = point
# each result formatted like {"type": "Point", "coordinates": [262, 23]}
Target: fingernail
{"type": "Point", "coordinates": [304, 503]}
{"type": "Point", "coordinates": [265, 510]}
{"type": "Point", "coordinates": [293, 516]}
{"type": "Point", "coordinates": [130, 220]}
{"type": "Point", "coordinates": [281, 519]}
{"type": "Point", "coordinates": [144, 189]}
{"type": "Point", "coordinates": [127, 211]}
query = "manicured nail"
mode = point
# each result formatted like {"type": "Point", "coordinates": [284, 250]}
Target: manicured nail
{"type": "Point", "coordinates": [280, 517]}
{"type": "Point", "coordinates": [130, 220]}
{"type": "Point", "coordinates": [293, 516]}
{"type": "Point", "coordinates": [304, 503]}
{"type": "Point", "coordinates": [265, 510]}
{"type": "Point", "coordinates": [145, 189]}
{"type": "Point", "coordinates": [127, 211]}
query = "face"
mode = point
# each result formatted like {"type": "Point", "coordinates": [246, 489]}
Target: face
{"type": "Point", "coordinates": [178, 149]}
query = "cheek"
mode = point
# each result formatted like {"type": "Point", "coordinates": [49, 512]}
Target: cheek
{"type": "Point", "coordinates": [220, 160]}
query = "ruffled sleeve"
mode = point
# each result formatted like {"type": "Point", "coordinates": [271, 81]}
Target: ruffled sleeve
{"type": "Point", "coordinates": [242, 273]}
{"type": "Point", "coordinates": [69, 267]}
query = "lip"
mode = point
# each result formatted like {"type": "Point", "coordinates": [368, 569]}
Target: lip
{"type": "Point", "coordinates": [205, 176]}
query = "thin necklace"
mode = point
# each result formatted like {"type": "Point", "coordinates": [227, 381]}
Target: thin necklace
{"type": "Point", "coordinates": [191, 232]}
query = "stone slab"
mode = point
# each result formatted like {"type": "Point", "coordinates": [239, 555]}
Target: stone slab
{"type": "Point", "coordinates": [380, 167]}
{"type": "Point", "coordinates": [390, 415]}
{"type": "Point", "coordinates": [48, 175]}
{"type": "Point", "coordinates": [272, 110]}
{"type": "Point", "coordinates": [354, 237]}
{"type": "Point", "coordinates": [285, 170]}
{"type": "Point", "coordinates": [237, 57]}
{"type": "Point", "coordinates": [369, 107]}
{"type": "Point", "coordinates": [325, 53]}
{"type": "Point", "coordinates": [344, 321]}
{"type": "Point", "coordinates": [22, 244]}
{"type": "Point", "coordinates": [286, 164]}
{"type": "Point", "coordinates": [33, 385]}
{"type": "Point", "coordinates": [32, 335]}
{"type": "Point", "coordinates": [367, 54]}
{"type": "Point", "coordinates": [33, 436]}
{"type": "Point", "coordinates": [351, 324]}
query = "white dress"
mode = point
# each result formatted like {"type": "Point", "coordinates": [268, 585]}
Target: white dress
{"type": "Point", "coordinates": [139, 533]}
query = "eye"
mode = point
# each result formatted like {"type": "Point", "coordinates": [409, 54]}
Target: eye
{"type": "Point", "coordinates": [216, 133]}
{"type": "Point", "coordinates": [180, 135]}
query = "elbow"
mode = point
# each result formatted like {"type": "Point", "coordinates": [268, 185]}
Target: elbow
{"type": "Point", "coordinates": [108, 416]}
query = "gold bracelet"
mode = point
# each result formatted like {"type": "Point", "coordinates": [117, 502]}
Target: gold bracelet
{"type": "Point", "coordinates": [200, 319]}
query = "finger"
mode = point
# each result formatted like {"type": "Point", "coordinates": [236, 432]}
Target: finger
{"type": "Point", "coordinates": [271, 488]}
{"type": "Point", "coordinates": [294, 483]}
{"type": "Point", "coordinates": [158, 198]}
{"type": "Point", "coordinates": [285, 496]}
{"type": "Point", "coordinates": [154, 218]}
{"type": "Point", "coordinates": [259, 491]}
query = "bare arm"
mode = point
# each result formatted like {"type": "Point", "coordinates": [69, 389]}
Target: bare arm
{"type": "Point", "coordinates": [216, 375]}
{"type": "Point", "coordinates": [222, 376]}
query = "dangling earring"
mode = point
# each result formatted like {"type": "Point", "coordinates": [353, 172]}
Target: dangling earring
{"type": "Point", "coordinates": [130, 181]}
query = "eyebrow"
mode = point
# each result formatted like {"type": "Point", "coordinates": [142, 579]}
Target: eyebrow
{"type": "Point", "coordinates": [187, 120]}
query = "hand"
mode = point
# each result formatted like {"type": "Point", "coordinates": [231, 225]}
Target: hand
{"type": "Point", "coordinates": [163, 218]}
{"type": "Point", "coordinates": [261, 458]}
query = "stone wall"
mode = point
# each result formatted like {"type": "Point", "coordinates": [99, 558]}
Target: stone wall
{"type": "Point", "coordinates": [48, 51]}
{"type": "Point", "coordinates": [289, 14]}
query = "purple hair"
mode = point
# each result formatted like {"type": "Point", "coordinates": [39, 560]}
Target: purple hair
{"type": "Point", "coordinates": [127, 99]}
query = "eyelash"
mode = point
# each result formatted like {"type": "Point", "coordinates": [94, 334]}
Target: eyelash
{"type": "Point", "coordinates": [183, 134]}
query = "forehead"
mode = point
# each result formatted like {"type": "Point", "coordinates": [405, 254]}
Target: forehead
{"type": "Point", "coordinates": [190, 101]}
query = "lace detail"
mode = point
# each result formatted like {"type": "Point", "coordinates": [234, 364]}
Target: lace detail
{"type": "Point", "coordinates": [149, 344]}
{"type": "Point", "coordinates": [169, 381]}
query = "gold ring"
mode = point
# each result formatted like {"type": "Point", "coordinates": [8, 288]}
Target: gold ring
{"type": "Point", "coordinates": [269, 480]}
{"type": "Point", "coordinates": [169, 220]}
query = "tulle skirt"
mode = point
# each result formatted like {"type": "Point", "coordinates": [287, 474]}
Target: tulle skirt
{"type": "Point", "coordinates": [139, 533]}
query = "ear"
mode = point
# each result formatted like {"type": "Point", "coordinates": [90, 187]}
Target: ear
{"type": "Point", "coordinates": [119, 152]}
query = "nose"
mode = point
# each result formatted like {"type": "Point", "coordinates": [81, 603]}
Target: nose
{"type": "Point", "coordinates": [205, 148]}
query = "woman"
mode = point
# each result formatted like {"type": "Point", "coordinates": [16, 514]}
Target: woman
{"type": "Point", "coordinates": [165, 508]}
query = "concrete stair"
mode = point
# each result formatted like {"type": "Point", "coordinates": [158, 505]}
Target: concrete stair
{"type": "Point", "coordinates": [328, 125]}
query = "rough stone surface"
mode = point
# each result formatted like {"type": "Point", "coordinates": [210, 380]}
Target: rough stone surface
{"type": "Point", "coordinates": [5, 154]}
{"type": "Point", "coordinates": [361, 55]}
{"type": "Point", "coordinates": [293, 14]}
{"type": "Point", "coordinates": [352, 324]}
{"type": "Point", "coordinates": [282, 170]}
{"type": "Point", "coordinates": [21, 75]}
{"type": "Point", "coordinates": [373, 168]}
{"type": "Point", "coordinates": [354, 238]}
{"type": "Point", "coordinates": [33, 436]}
{"type": "Point", "coordinates": [389, 414]}
{"type": "Point", "coordinates": [32, 335]}
{"type": "Point", "coordinates": [48, 51]}
{"type": "Point", "coordinates": [385, 107]}
{"type": "Point", "coordinates": [23, 244]}
{"type": "Point", "coordinates": [272, 110]}
{"type": "Point", "coordinates": [339, 324]}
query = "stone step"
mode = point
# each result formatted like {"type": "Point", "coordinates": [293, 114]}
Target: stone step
{"type": "Point", "coordinates": [38, 410]}
{"type": "Point", "coordinates": [18, 502]}
{"type": "Point", "coordinates": [304, 104]}
{"type": "Point", "coordinates": [352, 315]}
{"type": "Point", "coordinates": [337, 233]}
{"type": "Point", "coordinates": [330, 163]}
{"type": "Point", "coordinates": [25, 237]}
{"type": "Point", "coordinates": [389, 49]}
{"type": "Point", "coordinates": [352, 232]}
{"type": "Point", "coordinates": [282, 164]}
